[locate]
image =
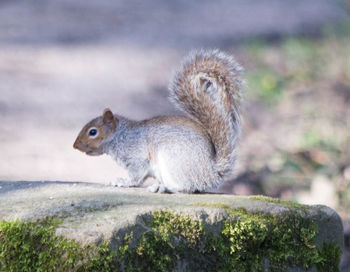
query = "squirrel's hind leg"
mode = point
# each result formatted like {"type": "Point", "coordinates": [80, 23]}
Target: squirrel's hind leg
{"type": "Point", "coordinates": [186, 169]}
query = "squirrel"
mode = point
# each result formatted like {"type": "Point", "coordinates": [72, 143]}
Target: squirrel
{"type": "Point", "coordinates": [187, 154]}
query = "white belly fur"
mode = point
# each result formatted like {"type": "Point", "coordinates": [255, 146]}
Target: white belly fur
{"type": "Point", "coordinates": [164, 175]}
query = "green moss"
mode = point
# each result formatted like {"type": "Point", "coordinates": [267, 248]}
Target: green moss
{"type": "Point", "coordinates": [170, 239]}
{"type": "Point", "coordinates": [34, 246]}
{"type": "Point", "coordinates": [330, 255]}
{"type": "Point", "coordinates": [252, 239]}
{"type": "Point", "coordinates": [255, 241]}
{"type": "Point", "coordinates": [246, 241]}
{"type": "Point", "coordinates": [288, 204]}
{"type": "Point", "coordinates": [213, 205]}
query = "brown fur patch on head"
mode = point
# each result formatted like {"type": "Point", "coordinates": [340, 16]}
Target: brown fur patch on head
{"type": "Point", "coordinates": [96, 133]}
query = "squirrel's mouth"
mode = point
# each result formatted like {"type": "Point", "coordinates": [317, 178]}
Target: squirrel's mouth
{"type": "Point", "coordinates": [86, 149]}
{"type": "Point", "coordinates": [93, 153]}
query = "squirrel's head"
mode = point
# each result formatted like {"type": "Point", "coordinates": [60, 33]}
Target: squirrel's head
{"type": "Point", "coordinates": [96, 133]}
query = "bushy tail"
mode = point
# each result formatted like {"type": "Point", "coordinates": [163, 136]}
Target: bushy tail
{"type": "Point", "coordinates": [208, 88]}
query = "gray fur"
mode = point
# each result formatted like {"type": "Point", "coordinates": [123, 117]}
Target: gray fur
{"type": "Point", "coordinates": [186, 154]}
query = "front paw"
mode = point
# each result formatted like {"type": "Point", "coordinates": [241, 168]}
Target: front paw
{"type": "Point", "coordinates": [157, 188]}
{"type": "Point", "coordinates": [120, 182]}
{"type": "Point", "coordinates": [153, 188]}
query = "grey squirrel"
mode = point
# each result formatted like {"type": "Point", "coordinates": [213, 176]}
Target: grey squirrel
{"type": "Point", "coordinates": [184, 154]}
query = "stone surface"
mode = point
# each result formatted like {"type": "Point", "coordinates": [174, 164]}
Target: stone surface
{"type": "Point", "coordinates": [91, 212]}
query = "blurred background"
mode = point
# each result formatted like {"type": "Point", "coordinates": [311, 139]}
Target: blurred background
{"type": "Point", "coordinates": [62, 62]}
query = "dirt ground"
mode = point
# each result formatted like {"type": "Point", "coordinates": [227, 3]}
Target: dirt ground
{"type": "Point", "coordinates": [63, 62]}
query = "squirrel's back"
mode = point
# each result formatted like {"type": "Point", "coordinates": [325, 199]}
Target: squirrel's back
{"type": "Point", "coordinates": [208, 88]}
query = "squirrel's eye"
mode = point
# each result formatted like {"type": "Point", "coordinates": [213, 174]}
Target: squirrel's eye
{"type": "Point", "coordinates": [93, 132]}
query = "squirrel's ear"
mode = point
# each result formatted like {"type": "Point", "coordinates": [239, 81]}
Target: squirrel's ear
{"type": "Point", "coordinates": [109, 119]}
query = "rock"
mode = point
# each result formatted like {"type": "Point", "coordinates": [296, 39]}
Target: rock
{"type": "Point", "coordinates": [183, 232]}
